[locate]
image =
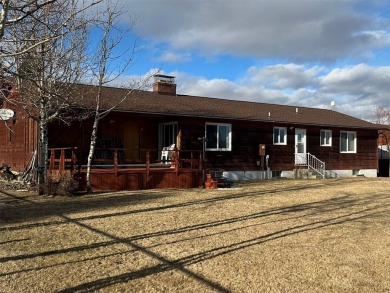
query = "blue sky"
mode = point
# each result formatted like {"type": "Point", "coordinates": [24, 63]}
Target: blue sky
{"type": "Point", "coordinates": [294, 52]}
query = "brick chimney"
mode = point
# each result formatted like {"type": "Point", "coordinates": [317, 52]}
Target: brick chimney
{"type": "Point", "coordinates": [164, 84]}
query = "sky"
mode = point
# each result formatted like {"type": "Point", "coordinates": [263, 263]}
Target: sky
{"type": "Point", "coordinates": [293, 52]}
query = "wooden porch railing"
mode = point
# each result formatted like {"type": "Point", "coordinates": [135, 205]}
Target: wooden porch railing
{"type": "Point", "coordinates": [114, 158]}
{"type": "Point", "coordinates": [62, 159]}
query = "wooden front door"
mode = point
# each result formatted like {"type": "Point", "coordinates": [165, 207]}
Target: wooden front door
{"type": "Point", "coordinates": [131, 140]}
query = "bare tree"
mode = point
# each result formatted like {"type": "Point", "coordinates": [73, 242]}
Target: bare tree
{"type": "Point", "coordinates": [382, 116]}
{"type": "Point", "coordinates": [44, 53]}
{"type": "Point", "coordinates": [105, 69]}
{"type": "Point", "coordinates": [15, 13]}
{"type": "Point", "coordinates": [45, 72]}
{"type": "Point", "coordinates": [12, 12]}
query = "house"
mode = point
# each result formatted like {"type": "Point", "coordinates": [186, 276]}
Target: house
{"type": "Point", "coordinates": [236, 139]}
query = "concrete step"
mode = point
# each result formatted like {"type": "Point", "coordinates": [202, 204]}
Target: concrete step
{"type": "Point", "coordinates": [306, 174]}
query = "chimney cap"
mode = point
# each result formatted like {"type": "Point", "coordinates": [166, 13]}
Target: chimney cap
{"type": "Point", "coordinates": [164, 78]}
{"type": "Point", "coordinates": [164, 84]}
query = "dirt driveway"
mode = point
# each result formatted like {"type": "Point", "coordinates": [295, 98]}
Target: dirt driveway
{"type": "Point", "coordinates": [270, 236]}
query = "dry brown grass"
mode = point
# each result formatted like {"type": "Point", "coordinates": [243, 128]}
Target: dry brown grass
{"type": "Point", "coordinates": [271, 236]}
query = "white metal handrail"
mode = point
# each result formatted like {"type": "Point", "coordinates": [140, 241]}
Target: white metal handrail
{"type": "Point", "coordinates": [311, 162]}
{"type": "Point", "coordinates": [316, 164]}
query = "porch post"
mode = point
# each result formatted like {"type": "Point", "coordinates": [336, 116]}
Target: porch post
{"type": "Point", "coordinates": [52, 159]}
{"type": "Point", "coordinates": [62, 160]}
{"type": "Point", "coordinates": [203, 139]}
{"type": "Point", "coordinates": [74, 159]}
{"type": "Point", "coordinates": [176, 152]}
{"type": "Point", "coordinates": [147, 163]}
{"type": "Point", "coordinates": [116, 161]}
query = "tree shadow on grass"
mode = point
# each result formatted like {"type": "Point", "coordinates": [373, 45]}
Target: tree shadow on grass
{"type": "Point", "coordinates": [14, 241]}
{"type": "Point", "coordinates": [28, 209]}
{"type": "Point", "coordinates": [334, 205]}
{"type": "Point", "coordinates": [182, 264]}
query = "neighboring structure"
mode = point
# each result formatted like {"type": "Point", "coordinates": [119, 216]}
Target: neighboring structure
{"type": "Point", "coordinates": [243, 140]}
{"type": "Point", "coordinates": [383, 152]}
{"type": "Point", "coordinates": [19, 138]}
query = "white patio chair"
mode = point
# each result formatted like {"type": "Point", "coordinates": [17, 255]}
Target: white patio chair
{"type": "Point", "coordinates": [167, 153]}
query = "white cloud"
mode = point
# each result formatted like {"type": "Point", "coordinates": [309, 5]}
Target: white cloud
{"type": "Point", "coordinates": [290, 35]}
{"type": "Point", "coordinates": [360, 80]}
{"type": "Point", "coordinates": [295, 30]}
{"type": "Point", "coordinates": [200, 86]}
{"type": "Point", "coordinates": [356, 89]}
{"type": "Point", "coordinates": [284, 76]}
{"type": "Point", "coordinates": [173, 57]}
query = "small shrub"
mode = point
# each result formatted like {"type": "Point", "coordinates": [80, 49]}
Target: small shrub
{"type": "Point", "coordinates": [60, 184]}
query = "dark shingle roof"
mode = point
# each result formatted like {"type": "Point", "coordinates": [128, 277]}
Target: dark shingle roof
{"type": "Point", "coordinates": [193, 106]}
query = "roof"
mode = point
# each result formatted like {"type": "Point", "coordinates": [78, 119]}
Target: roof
{"type": "Point", "coordinates": [193, 106]}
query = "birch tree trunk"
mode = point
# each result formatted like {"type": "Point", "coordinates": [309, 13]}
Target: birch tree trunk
{"type": "Point", "coordinates": [3, 16]}
{"type": "Point", "coordinates": [43, 147]}
{"type": "Point", "coordinates": [92, 151]}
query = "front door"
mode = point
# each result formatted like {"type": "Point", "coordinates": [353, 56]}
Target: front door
{"type": "Point", "coordinates": [131, 140]}
{"type": "Point", "coordinates": [300, 147]}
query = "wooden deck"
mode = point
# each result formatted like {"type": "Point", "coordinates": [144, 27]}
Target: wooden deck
{"type": "Point", "coordinates": [182, 170]}
{"type": "Point", "coordinates": [135, 179]}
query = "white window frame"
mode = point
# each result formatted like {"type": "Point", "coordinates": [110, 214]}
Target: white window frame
{"type": "Point", "coordinates": [347, 142]}
{"type": "Point", "coordinates": [229, 148]}
{"type": "Point", "coordinates": [330, 137]}
{"type": "Point", "coordinates": [278, 142]}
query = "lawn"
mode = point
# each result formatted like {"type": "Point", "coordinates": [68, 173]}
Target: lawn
{"type": "Point", "coordinates": [270, 236]}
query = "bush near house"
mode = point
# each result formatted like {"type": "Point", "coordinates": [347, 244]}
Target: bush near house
{"type": "Point", "coordinates": [61, 184]}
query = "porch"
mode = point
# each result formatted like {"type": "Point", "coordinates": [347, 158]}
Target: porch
{"type": "Point", "coordinates": [110, 169]}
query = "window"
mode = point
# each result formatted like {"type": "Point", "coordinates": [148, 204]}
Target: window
{"type": "Point", "coordinates": [326, 138]}
{"type": "Point", "coordinates": [347, 141]}
{"type": "Point", "coordinates": [167, 134]}
{"type": "Point", "coordinates": [218, 137]}
{"type": "Point", "coordinates": [280, 135]}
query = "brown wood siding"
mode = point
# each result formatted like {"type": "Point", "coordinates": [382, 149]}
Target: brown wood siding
{"type": "Point", "coordinates": [246, 137]}
{"type": "Point", "coordinates": [364, 158]}
{"type": "Point", "coordinates": [17, 146]}
{"type": "Point", "coordinates": [109, 180]}
{"type": "Point", "coordinates": [281, 157]}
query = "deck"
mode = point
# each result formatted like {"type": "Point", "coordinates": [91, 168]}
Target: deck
{"type": "Point", "coordinates": [183, 169]}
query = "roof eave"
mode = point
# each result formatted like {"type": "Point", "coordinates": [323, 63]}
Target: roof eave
{"type": "Point", "coordinates": [270, 120]}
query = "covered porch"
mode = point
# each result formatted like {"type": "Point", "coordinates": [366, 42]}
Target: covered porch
{"type": "Point", "coordinates": [110, 169]}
